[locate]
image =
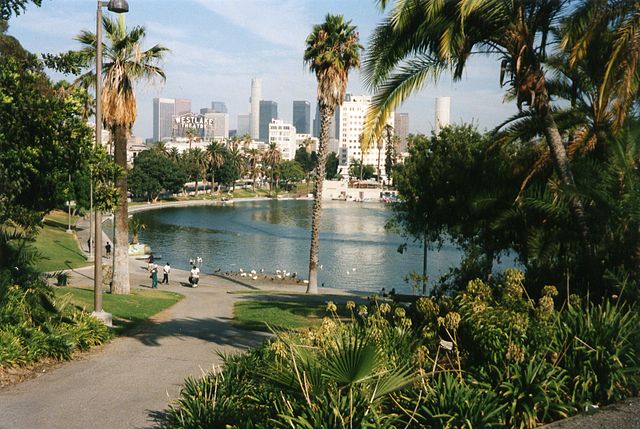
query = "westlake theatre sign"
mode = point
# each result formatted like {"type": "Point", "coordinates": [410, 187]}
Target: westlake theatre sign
{"type": "Point", "coordinates": [192, 121]}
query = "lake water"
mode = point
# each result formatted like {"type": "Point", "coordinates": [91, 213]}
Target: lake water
{"type": "Point", "coordinates": [356, 252]}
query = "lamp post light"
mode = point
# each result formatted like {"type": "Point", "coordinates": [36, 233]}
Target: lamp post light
{"type": "Point", "coordinates": [117, 6]}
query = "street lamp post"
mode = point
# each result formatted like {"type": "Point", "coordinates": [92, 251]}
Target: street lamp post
{"type": "Point", "coordinates": [117, 6]}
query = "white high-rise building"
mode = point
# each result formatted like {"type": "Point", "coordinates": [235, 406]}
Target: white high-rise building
{"type": "Point", "coordinates": [256, 96]}
{"type": "Point", "coordinates": [443, 111]}
{"type": "Point", "coordinates": [284, 136]}
{"type": "Point", "coordinates": [352, 117]}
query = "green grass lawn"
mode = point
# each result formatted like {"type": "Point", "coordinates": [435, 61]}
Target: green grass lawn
{"type": "Point", "coordinates": [279, 314]}
{"type": "Point", "coordinates": [59, 248]}
{"type": "Point", "coordinates": [127, 310]}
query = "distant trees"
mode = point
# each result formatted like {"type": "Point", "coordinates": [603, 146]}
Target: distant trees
{"type": "Point", "coordinates": [359, 171]}
{"type": "Point", "coordinates": [332, 166]}
{"type": "Point", "coordinates": [152, 173]}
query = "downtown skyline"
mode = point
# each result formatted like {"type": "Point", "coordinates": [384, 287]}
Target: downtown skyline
{"type": "Point", "coordinates": [218, 46]}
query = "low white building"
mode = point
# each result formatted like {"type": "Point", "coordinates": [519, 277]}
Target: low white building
{"type": "Point", "coordinates": [284, 136]}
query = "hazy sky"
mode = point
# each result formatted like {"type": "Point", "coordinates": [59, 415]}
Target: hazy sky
{"type": "Point", "coordinates": [217, 46]}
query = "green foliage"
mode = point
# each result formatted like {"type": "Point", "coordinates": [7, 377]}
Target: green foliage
{"type": "Point", "coordinates": [290, 172]}
{"type": "Point", "coordinates": [15, 7]}
{"type": "Point", "coordinates": [43, 139]}
{"type": "Point", "coordinates": [453, 403]}
{"type": "Point", "coordinates": [154, 172]}
{"type": "Point", "coordinates": [356, 170]}
{"type": "Point", "coordinates": [598, 346]}
{"type": "Point", "coordinates": [332, 166]}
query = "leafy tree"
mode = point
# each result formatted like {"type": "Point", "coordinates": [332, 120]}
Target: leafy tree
{"type": "Point", "coordinates": [356, 169]}
{"type": "Point", "coordinates": [303, 158]}
{"type": "Point", "coordinates": [43, 138]}
{"type": "Point", "coordinates": [125, 64]}
{"type": "Point", "coordinates": [230, 170]}
{"type": "Point", "coordinates": [290, 172]}
{"type": "Point", "coordinates": [253, 157]}
{"type": "Point", "coordinates": [15, 7]}
{"type": "Point", "coordinates": [215, 157]}
{"type": "Point", "coordinates": [333, 49]}
{"type": "Point", "coordinates": [408, 48]}
{"type": "Point", "coordinates": [332, 166]}
{"type": "Point", "coordinates": [152, 173]}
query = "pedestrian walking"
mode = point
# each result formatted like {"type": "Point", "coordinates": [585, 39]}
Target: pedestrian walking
{"type": "Point", "coordinates": [107, 247]}
{"type": "Point", "coordinates": [154, 276]}
{"type": "Point", "coordinates": [194, 276]}
{"type": "Point", "coordinates": [165, 273]}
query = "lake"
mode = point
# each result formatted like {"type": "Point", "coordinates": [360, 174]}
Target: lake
{"type": "Point", "coordinates": [356, 252]}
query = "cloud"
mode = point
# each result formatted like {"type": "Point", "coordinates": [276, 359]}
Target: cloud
{"type": "Point", "coordinates": [284, 23]}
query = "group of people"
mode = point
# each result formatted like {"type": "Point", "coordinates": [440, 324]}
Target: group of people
{"type": "Point", "coordinates": [152, 267]}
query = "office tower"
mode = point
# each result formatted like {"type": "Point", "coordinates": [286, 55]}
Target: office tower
{"type": "Point", "coordinates": [302, 116]}
{"type": "Point", "coordinates": [244, 124]}
{"type": "Point", "coordinates": [218, 128]}
{"type": "Point", "coordinates": [284, 136]}
{"type": "Point", "coordinates": [443, 110]}
{"type": "Point", "coordinates": [352, 118]}
{"type": "Point", "coordinates": [334, 126]}
{"type": "Point", "coordinates": [219, 107]}
{"type": "Point", "coordinates": [256, 96]}
{"type": "Point", "coordinates": [182, 106]}
{"type": "Point", "coordinates": [268, 112]}
{"type": "Point", "coordinates": [163, 110]}
{"type": "Point", "coordinates": [401, 130]}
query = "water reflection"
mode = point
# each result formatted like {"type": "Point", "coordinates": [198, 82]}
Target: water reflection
{"type": "Point", "coordinates": [356, 252]}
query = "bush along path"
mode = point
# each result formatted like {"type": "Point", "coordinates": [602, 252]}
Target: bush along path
{"type": "Point", "coordinates": [489, 357]}
{"type": "Point", "coordinates": [130, 381]}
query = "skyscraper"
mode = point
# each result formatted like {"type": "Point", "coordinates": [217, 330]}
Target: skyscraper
{"type": "Point", "coordinates": [163, 111]}
{"type": "Point", "coordinates": [182, 106]}
{"type": "Point", "coordinates": [244, 124]}
{"type": "Point", "coordinates": [443, 111]}
{"type": "Point", "coordinates": [302, 116]}
{"type": "Point", "coordinates": [401, 129]}
{"type": "Point", "coordinates": [256, 96]}
{"type": "Point", "coordinates": [268, 111]}
{"type": "Point", "coordinates": [219, 107]}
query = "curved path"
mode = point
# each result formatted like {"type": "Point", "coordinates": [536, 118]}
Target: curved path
{"type": "Point", "coordinates": [132, 379]}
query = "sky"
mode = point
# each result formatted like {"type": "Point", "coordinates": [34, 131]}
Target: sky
{"type": "Point", "coordinates": [217, 46]}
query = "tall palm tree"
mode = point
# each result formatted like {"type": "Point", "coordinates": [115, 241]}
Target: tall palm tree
{"type": "Point", "coordinates": [253, 156]}
{"type": "Point", "coordinates": [363, 147]}
{"type": "Point", "coordinates": [124, 63]}
{"type": "Point", "coordinates": [237, 161]}
{"type": "Point", "coordinates": [272, 157]}
{"type": "Point", "coordinates": [198, 160]}
{"type": "Point", "coordinates": [421, 39]}
{"type": "Point", "coordinates": [215, 158]}
{"type": "Point", "coordinates": [333, 48]}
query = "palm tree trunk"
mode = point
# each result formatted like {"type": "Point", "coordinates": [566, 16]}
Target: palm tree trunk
{"type": "Point", "coordinates": [326, 113]}
{"type": "Point", "coordinates": [563, 169]}
{"type": "Point", "coordinates": [121, 217]}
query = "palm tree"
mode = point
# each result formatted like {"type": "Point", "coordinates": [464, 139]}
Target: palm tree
{"type": "Point", "coordinates": [124, 63]}
{"type": "Point", "coordinates": [192, 134]}
{"type": "Point", "coordinates": [272, 157]}
{"type": "Point", "coordinates": [215, 157]}
{"type": "Point", "coordinates": [253, 156]}
{"type": "Point", "coordinates": [237, 161]}
{"type": "Point", "coordinates": [161, 148]}
{"type": "Point", "coordinates": [419, 40]}
{"type": "Point", "coordinates": [333, 49]}
{"type": "Point", "coordinates": [198, 160]}
{"type": "Point", "coordinates": [363, 147]}
{"type": "Point", "coordinates": [136, 225]}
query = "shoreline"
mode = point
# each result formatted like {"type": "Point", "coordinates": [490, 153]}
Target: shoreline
{"type": "Point", "coordinates": [205, 202]}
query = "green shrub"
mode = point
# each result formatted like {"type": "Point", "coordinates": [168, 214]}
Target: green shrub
{"type": "Point", "coordinates": [450, 402]}
{"type": "Point", "coordinates": [597, 346]}
{"type": "Point", "coordinates": [534, 393]}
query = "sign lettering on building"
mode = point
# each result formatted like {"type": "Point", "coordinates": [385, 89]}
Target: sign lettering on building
{"type": "Point", "coordinates": [192, 121]}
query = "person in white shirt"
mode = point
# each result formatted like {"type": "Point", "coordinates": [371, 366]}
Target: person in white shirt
{"type": "Point", "coordinates": [165, 273]}
{"type": "Point", "coordinates": [194, 277]}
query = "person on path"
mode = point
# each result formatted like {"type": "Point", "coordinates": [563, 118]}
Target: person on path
{"type": "Point", "coordinates": [194, 276]}
{"type": "Point", "coordinates": [154, 276]}
{"type": "Point", "coordinates": [165, 273]}
{"type": "Point", "coordinates": [107, 247]}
